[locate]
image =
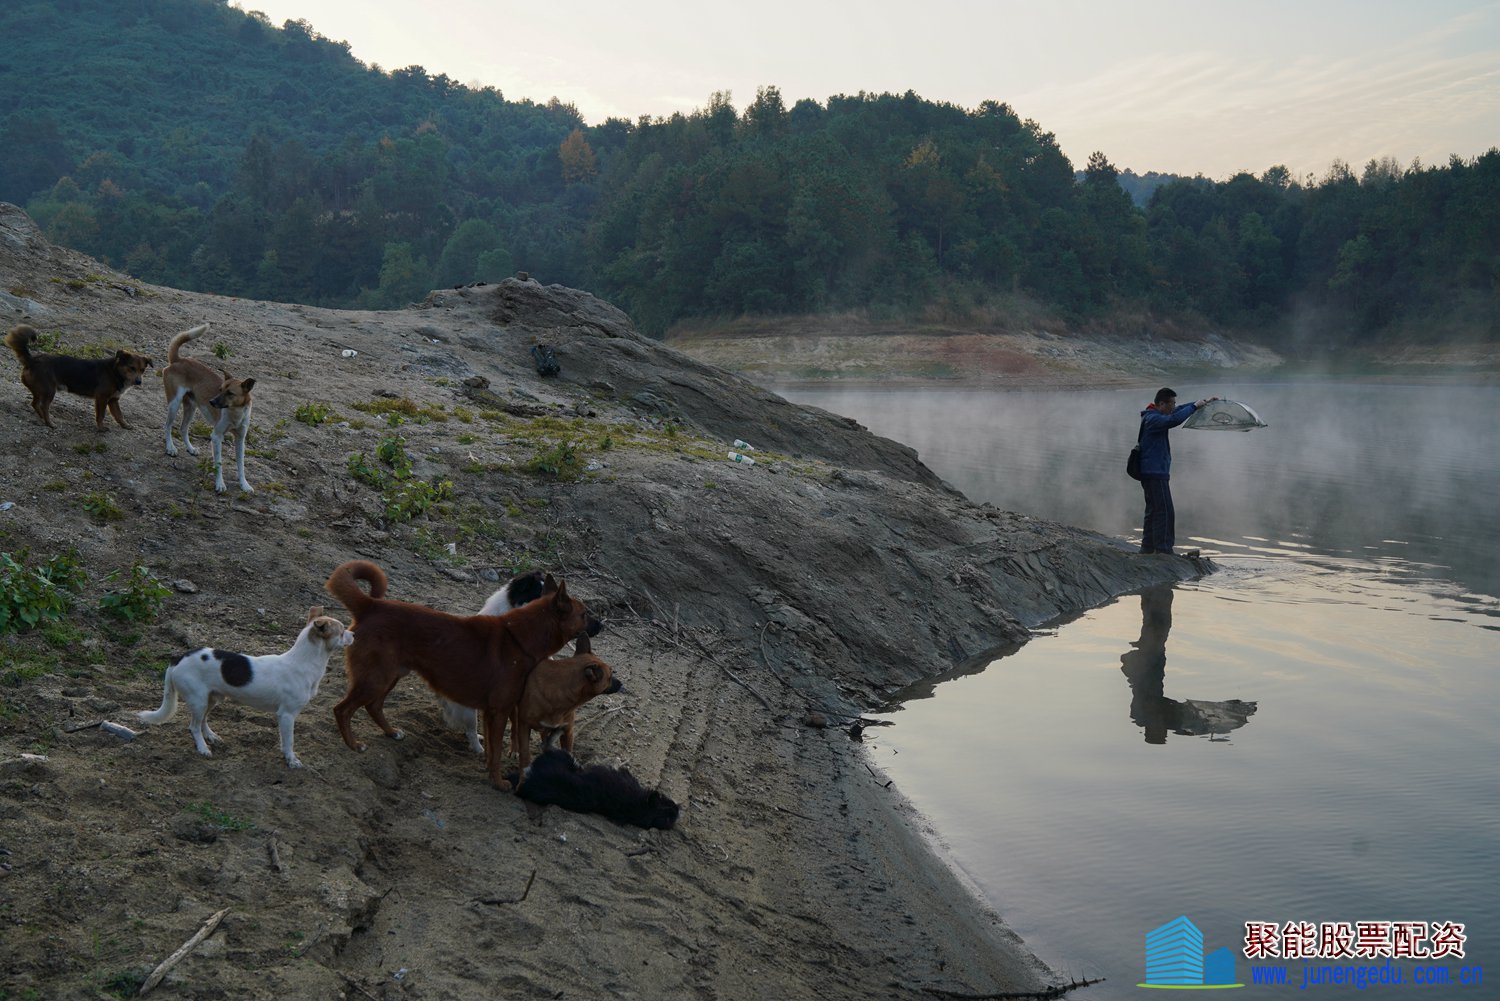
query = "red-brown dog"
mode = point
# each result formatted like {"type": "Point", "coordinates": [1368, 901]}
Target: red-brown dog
{"type": "Point", "coordinates": [479, 661]}
{"type": "Point", "coordinates": [554, 691]}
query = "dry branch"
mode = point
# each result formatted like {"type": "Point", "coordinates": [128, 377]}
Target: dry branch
{"type": "Point", "coordinates": [181, 953]}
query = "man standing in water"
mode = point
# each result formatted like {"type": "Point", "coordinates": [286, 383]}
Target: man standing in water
{"type": "Point", "coordinates": [1160, 530]}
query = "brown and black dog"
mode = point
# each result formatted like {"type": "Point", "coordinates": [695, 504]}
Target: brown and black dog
{"type": "Point", "coordinates": [480, 661]}
{"type": "Point", "coordinates": [104, 379]}
{"type": "Point", "coordinates": [554, 691]}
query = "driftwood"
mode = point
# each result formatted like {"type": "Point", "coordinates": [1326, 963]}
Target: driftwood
{"type": "Point", "coordinates": [181, 953]}
{"type": "Point", "coordinates": [1055, 991]}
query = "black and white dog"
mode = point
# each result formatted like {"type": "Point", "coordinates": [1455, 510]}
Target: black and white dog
{"type": "Point", "coordinates": [283, 682]}
{"type": "Point", "coordinates": [555, 778]}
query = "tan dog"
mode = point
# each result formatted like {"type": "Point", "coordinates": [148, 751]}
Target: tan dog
{"type": "Point", "coordinates": [104, 379]}
{"type": "Point", "coordinates": [554, 691]}
{"type": "Point", "coordinates": [188, 384]}
{"type": "Point", "coordinates": [480, 661]}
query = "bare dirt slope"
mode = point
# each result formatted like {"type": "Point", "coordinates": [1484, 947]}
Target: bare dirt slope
{"type": "Point", "coordinates": [751, 611]}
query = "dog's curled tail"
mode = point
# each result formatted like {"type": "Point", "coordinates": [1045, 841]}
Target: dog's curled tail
{"type": "Point", "coordinates": [183, 338]}
{"type": "Point", "coordinates": [343, 584]}
{"type": "Point", "coordinates": [168, 702]}
{"type": "Point", "coordinates": [19, 340]}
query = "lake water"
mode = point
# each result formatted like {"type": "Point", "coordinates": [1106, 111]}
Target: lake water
{"type": "Point", "coordinates": [1307, 735]}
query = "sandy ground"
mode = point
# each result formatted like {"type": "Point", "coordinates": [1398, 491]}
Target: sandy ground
{"type": "Point", "coordinates": [751, 611]}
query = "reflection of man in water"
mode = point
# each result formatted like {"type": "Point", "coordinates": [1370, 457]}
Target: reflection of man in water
{"type": "Point", "coordinates": [1145, 667]}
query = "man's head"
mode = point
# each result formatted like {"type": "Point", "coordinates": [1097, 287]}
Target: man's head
{"type": "Point", "coordinates": [1166, 398]}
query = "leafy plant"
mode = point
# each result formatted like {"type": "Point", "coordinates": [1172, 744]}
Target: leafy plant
{"type": "Point", "coordinates": [408, 499]}
{"type": "Point", "coordinates": [138, 598]}
{"type": "Point", "coordinates": [102, 506]}
{"type": "Point", "coordinates": [366, 472]}
{"type": "Point", "coordinates": [405, 496]}
{"type": "Point", "coordinates": [29, 595]}
{"type": "Point", "coordinates": [562, 460]}
{"type": "Point", "coordinates": [313, 413]}
{"type": "Point", "coordinates": [392, 452]}
{"type": "Point", "coordinates": [222, 350]}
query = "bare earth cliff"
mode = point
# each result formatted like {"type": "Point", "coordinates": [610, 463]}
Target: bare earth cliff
{"type": "Point", "coordinates": [752, 612]}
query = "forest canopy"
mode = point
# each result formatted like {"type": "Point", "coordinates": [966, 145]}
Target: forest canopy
{"type": "Point", "coordinates": [193, 144]}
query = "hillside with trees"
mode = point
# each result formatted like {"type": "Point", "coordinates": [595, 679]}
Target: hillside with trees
{"type": "Point", "coordinates": [194, 144]}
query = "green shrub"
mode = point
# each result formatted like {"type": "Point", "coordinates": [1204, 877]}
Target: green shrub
{"type": "Point", "coordinates": [408, 499]}
{"type": "Point", "coordinates": [29, 595]}
{"type": "Point", "coordinates": [366, 472]}
{"type": "Point", "coordinates": [562, 460]}
{"type": "Point", "coordinates": [392, 452]}
{"type": "Point", "coordinates": [405, 496]}
{"type": "Point", "coordinates": [102, 506]}
{"type": "Point", "coordinates": [313, 413]}
{"type": "Point", "coordinates": [138, 598]}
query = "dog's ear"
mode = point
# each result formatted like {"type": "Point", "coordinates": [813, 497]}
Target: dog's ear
{"type": "Point", "coordinates": [561, 597]}
{"type": "Point", "coordinates": [549, 584]}
{"type": "Point", "coordinates": [314, 612]}
{"type": "Point", "coordinates": [248, 385]}
{"type": "Point", "coordinates": [592, 673]}
{"type": "Point", "coordinates": [581, 645]}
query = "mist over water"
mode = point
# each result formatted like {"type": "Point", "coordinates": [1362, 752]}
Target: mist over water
{"type": "Point", "coordinates": [1383, 472]}
{"type": "Point", "coordinates": [1305, 735]}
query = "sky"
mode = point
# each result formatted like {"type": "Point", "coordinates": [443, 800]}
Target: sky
{"type": "Point", "coordinates": [1175, 86]}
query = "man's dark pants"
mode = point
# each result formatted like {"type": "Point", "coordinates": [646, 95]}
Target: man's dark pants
{"type": "Point", "coordinates": [1158, 534]}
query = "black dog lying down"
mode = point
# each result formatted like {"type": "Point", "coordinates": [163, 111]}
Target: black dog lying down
{"type": "Point", "coordinates": [555, 778]}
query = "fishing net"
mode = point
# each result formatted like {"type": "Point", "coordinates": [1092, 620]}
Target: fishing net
{"type": "Point", "coordinates": [1224, 415]}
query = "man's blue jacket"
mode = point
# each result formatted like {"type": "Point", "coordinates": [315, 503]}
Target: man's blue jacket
{"type": "Point", "coordinates": [1156, 451]}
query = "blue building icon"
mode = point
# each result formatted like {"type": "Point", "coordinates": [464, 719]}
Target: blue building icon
{"type": "Point", "coordinates": [1218, 967]}
{"type": "Point", "coordinates": [1174, 958]}
{"type": "Point", "coordinates": [1174, 953]}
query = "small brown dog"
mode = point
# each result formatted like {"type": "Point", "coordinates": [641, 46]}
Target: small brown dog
{"type": "Point", "coordinates": [188, 384]}
{"type": "Point", "coordinates": [480, 661]}
{"type": "Point", "coordinates": [554, 691]}
{"type": "Point", "coordinates": [104, 379]}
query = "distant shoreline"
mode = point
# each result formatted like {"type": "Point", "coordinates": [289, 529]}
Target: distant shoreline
{"type": "Point", "coordinates": [1404, 375]}
{"type": "Point", "coordinates": [847, 353]}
